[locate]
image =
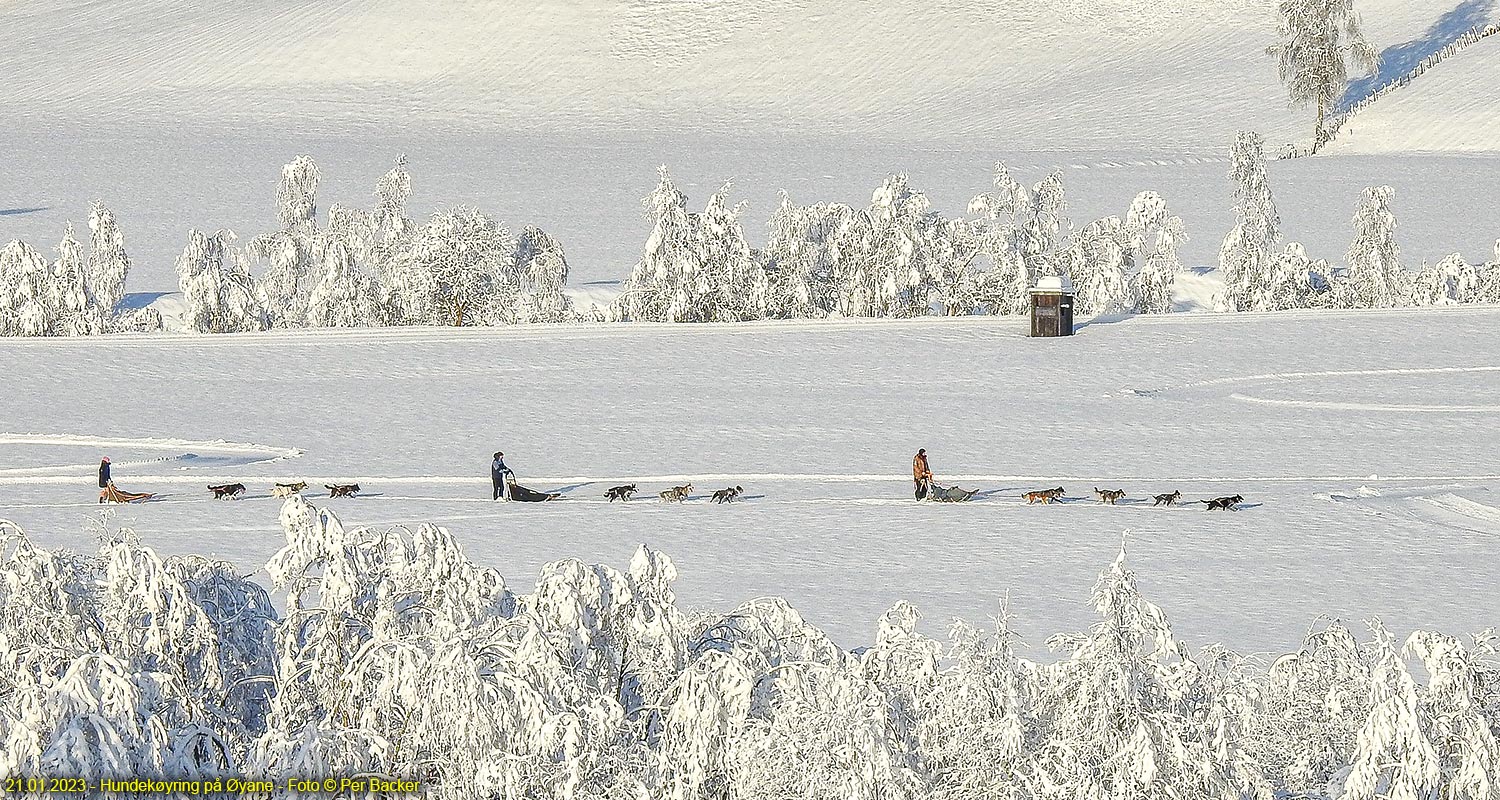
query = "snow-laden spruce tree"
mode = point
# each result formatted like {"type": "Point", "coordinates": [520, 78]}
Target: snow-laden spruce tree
{"type": "Point", "coordinates": [543, 268]}
{"type": "Point", "coordinates": [1018, 232]}
{"type": "Point", "coordinates": [1154, 233]}
{"type": "Point", "coordinates": [25, 307]}
{"type": "Point", "coordinates": [75, 311]}
{"type": "Point", "coordinates": [108, 263]}
{"type": "Point", "coordinates": [1099, 262]}
{"type": "Point", "coordinates": [1374, 277]}
{"type": "Point", "coordinates": [1318, 41]}
{"type": "Point", "coordinates": [1245, 255]}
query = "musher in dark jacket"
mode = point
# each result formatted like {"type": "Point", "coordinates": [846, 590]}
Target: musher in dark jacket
{"type": "Point", "coordinates": [500, 475]}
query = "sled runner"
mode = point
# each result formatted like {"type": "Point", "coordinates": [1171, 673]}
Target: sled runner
{"type": "Point", "coordinates": [950, 494]}
{"type": "Point", "coordinates": [111, 494]}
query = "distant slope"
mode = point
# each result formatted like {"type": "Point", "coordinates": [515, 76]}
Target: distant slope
{"type": "Point", "coordinates": [1079, 74]}
{"type": "Point", "coordinates": [1454, 106]}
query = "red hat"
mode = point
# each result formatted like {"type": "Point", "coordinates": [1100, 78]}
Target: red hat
{"type": "Point", "coordinates": [106, 459]}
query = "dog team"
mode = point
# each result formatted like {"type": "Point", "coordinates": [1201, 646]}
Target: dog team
{"type": "Point", "coordinates": [1113, 496]}
{"type": "Point", "coordinates": [231, 491]}
{"type": "Point", "coordinates": [921, 475]}
{"type": "Point", "coordinates": [505, 487]}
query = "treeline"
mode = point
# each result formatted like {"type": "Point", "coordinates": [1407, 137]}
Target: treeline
{"type": "Point", "coordinates": [896, 257]}
{"type": "Point", "coordinates": [395, 655]}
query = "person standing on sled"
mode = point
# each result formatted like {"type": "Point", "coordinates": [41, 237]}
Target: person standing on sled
{"type": "Point", "coordinates": [921, 474]}
{"type": "Point", "coordinates": [500, 476]}
{"type": "Point", "coordinates": [104, 479]}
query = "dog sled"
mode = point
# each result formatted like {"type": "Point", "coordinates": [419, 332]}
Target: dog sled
{"type": "Point", "coordinates": [949, 494]}
{"type": "Point", "coordinates": [522, 494]}
{"type": "Point", "coordinates": [112, 494]}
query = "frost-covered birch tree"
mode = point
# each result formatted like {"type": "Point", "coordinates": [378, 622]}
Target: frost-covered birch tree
{"type": "Point", "coordinates": [1018, 231]}
{"type": "Point", "coordinates": [344, 296]}
{"type": "Point", "coordinates": [543, 269]}
{"type": "Point", "coordinates": [1374, 277]}
{"type": "Point", "coordinates": [1154, 233]}
{"type": "Point", "coordinates": [1245, 255]}
{"type": "Point", "coordinates": [1318, 42]}
{"type": "Point", "coordinates": [1100, 261]}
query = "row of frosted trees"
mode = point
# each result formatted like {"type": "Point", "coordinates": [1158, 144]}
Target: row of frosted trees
{"type": "Point", "coordinates": [375, 267]}
{"type": "Point", "coordinates": [391, 653]}
{"type": "Point", "coordinates": [1262, 274]}
{"type": "Point", "coordinates": [76, 294]}
{"type": "Point", "coordinates": [896, 257]}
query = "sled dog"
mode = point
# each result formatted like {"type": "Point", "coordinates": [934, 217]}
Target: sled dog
{"type": "Point", "coordinates": [621, 493]}
{"type": "Point", "coordinates": [1167, 499]}
{"type": "Point", "coordinates": [1223, 503]}
{"type": "Point", "coordinates": [728, 495]}
{"type": "Point", "coordinates": [342, 490]}
{"type": "Point", "coordinates": [288, 489]}
{"type": "Point", "coordinates": [676, 494]}
{"type": "Point", "coordinates": [1044, 496]}
{"type": "Point", "coordinates": [227, 491]}
{"type": "Point", "coordinates": [1110, 496]}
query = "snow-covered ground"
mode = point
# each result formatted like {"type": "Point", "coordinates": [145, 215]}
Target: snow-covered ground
{"type": "Point", "coordinates": [1363, 442]}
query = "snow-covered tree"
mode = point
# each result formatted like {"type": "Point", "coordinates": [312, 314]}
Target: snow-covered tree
{"type": "Point", "coordinates": [344, 297]}
{"type": "Point", "coordinates": [25, 305]}
{"type": "Point", "coordinates": [1099, 262]}
{"type": "Point", "coordinates": [459, 269]}
{"type": "Point", "coordinates": [543, 268]}
{"type": "Point", "coordinates": [1318, 42]}
{"type": "Point", "coordinates": [296, 194]}
{"type": "Point", "coordinates": [1452, 281]}
{"type": "Point", "coordinates": [1155, 233]}
{"type": "Point", "coordinates": [1374, 277]}
{"type": "Point", "coordinates": [1244, 257]}
{"type": "Point", "coordinates": [392, 226]}
{"type": "Point", "coordinates": [219, 293]}
{"type": "Point", "coordinates": [1129, 702]}
{"type": "Point", "coordinates": [74, 310]}
{"type": "Point", "coordinates": [108, 263]}
{"type": "Point", "coordinates": [1018, 232]}
{"type": "Point", "coordinates": [695, 267]}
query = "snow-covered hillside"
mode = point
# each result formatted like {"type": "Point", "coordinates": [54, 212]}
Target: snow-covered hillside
{"type": "Point", "coordinates": [1057, 73]}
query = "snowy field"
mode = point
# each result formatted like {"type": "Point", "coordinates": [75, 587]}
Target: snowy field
{"type": "Point", "coordinates": [1364, 444]}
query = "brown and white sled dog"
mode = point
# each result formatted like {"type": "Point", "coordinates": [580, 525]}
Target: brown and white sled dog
{"type": "Point", "coordinates": [1043, 496]}
{"type": "Point", "coordinates": [227, 491]}
{"type": "Point", "coordinates": [342, 489]}
{"type": "Point", "coordinates": [676, 494]}
{"type": "Point", "coordinates": [1110, 496]}
{"type": "Point", "coordinates": [288, 489]}
{"type": "Point", "coordinates": [1167, 499]}
{"type": "Point", "coordinates": [621, 493]}
{"type": "Point", "coordinates": [728, 495]}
